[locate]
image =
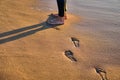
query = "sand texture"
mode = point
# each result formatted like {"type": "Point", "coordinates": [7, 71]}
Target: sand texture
{"type": "Point", "coordinates": [31, 49]}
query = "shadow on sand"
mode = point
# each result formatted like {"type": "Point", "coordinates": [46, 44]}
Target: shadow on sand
{"type": "Point", "coordinates": [25, 31]}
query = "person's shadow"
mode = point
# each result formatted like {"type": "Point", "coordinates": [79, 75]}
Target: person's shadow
{"type": "Point", "coordinates": [25, 31]}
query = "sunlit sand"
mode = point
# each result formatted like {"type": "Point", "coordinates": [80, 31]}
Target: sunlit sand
{"type": "Point", "coordinates": [31, 49]}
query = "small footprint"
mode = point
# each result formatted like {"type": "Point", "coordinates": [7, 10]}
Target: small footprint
{"type": "Point", "coordinates": [75, 41]}
{"type": "Point", "coordinates": [102, 73]}
{"type": "Point", "coordinates": [69, 54]}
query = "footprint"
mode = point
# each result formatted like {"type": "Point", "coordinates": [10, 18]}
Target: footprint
{"type": "Point", "coordinates": [69, 54]}
{"type": "Point", "coordinates": [75, 41]}
{"type": "Point", "coordinates": [102, 73]}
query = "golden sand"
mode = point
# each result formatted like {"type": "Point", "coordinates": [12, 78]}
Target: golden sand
{"type": "Point", "coordinates": [32, 50]}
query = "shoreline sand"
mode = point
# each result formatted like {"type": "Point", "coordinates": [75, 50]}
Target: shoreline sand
{"type": "Point", "coordinates": [32, 50]}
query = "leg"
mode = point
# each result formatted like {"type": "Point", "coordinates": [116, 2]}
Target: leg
{"type": "Point", "coordinates": [65, 4]}
{"type": "Point", "coordinates": [61, 7]}
{"type": "Point", "coordinates": [61, 11]}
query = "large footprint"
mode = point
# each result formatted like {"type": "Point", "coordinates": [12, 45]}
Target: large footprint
{"type": "Point", "coordinates": [102, 73]}
{"type": "Point", "coordinates": [69, 54]}
{"type": "Point", "coordinates": [75, 41]}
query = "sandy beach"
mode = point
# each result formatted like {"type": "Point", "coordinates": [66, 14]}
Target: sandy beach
{"type": "Point", "coordinates": [31, 49]}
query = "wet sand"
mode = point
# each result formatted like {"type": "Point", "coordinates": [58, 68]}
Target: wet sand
{"type": "Point", "coordinates": [30, 49]}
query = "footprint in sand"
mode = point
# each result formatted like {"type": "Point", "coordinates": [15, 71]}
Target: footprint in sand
{"type": "Point", "coordinates": [75, 41]}
{"type": "Point", "coordinates": [69, 54]}
{"type": "Point", "coordinates": [102, 73]}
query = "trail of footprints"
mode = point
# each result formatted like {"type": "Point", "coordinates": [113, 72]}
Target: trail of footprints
{"type": "Point", "coordinates": [70, 55]}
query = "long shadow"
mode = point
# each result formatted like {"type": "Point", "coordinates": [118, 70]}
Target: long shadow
{"type": "Point", "coordinates": [25, 31]}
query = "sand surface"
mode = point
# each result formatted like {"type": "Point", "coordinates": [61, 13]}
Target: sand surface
{"type": "Point", "coordinates": [30, 49]}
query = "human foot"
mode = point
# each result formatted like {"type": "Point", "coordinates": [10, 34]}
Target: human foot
{"type": "Point", "coordinates": [56, 21]}
{"type": "Point", "coordinates": [56, 15]}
